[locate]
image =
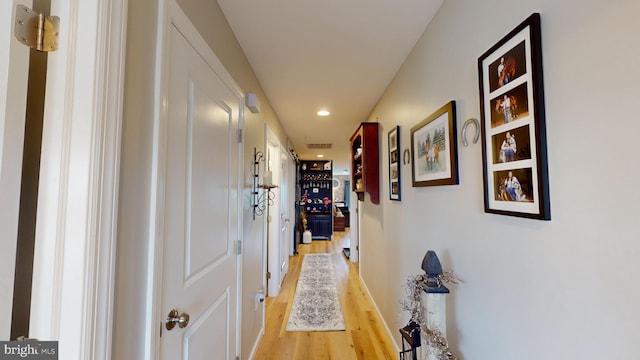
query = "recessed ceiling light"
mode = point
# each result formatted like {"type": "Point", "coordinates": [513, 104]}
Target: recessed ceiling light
{"type": "Point", "coordinates": [323, 113]}
{"type": "Point", "coordinates": [320, 155]}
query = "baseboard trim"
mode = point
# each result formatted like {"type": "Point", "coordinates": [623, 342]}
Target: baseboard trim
{"type": "Point", "coordinates": [256, 344]}
{"type": "Point", "coordinates": [375, 307]}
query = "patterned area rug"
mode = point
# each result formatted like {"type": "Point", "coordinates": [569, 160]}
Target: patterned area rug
{"type": "Point", "coordinates": [316, 306]}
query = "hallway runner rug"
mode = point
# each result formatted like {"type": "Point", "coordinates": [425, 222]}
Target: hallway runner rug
{"type": "Point", "coordinates": [316, 305]}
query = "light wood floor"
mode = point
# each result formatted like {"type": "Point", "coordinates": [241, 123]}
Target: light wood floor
{"type": "Point", "coordinates": [364, 338]}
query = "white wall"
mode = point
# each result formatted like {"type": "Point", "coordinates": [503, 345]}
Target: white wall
{"type": "Point", "coordinates": [562, 289]}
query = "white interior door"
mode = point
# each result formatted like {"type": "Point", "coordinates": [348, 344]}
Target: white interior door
{"type": "Point", "coordinates": [292, 204]}
{"type": "Point", "coordinates": [201, 208]}
{"type": "Point", "coordinates": [14, 65]}
{"type": "Point", "coordinates": [274, 278]}
{"type": "Point", "coordinates": [354, 254]}
{"type": "Point", "coordinates": [285, 239]}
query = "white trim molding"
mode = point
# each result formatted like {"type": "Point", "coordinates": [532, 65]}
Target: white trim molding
{"type": "Point", "coordinates": [390, 334]}
{"type": "Point", "coordinates": [254, 350]}
{"type": "Point", "coordinates": [74, 264]}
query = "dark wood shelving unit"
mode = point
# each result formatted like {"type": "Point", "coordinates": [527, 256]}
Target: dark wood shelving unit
{"type": "Point", "coordinates": [316, 184]}
{"type": "Point", "coordinates": [365, 161]}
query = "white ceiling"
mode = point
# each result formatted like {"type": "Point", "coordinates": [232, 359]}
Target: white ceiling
{"type": "Point", "coordinates": [338, 55]}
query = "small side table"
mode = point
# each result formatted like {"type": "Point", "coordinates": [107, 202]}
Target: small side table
{"type": "Point", "coordinates": [338, 223]}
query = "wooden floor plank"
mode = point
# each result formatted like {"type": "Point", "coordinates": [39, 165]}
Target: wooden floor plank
{"type": "Point", "coordinates": [365, 336]}
{"type": "Point", "coordinates": [363, 346]}
{"type": "Point", "coordinates": [341, 345]}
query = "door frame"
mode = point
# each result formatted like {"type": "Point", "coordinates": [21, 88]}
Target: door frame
{"type": "Point", "coordinates": [169, 14]}
{"type": "Point", "coordinates": [293, 221]}
{"type": "Point", "coordinates": [272, 228]}
{"type": "Point", "coordinates": [13, 74]}
{"type": "Point", "coordinates": [74, 256]}
{"type": "Point", "coordinates": [290, 165]}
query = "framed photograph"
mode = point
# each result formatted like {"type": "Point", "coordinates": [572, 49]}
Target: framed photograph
{"type": "Point", "coordinates": [394, 163]}
{"type": "Point", "coordinates": [434, 149]}
{"type": "Point", "coordinates": [514, 143]}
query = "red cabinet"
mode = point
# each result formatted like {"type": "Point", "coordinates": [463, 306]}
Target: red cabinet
{"type": "Point", "coordinates": [365, 161]}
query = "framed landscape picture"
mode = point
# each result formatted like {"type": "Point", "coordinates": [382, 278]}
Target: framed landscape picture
{"type": "Point", "coordinates": [434, 149]}
{"type": "Point", "coordinates": [514, 146]}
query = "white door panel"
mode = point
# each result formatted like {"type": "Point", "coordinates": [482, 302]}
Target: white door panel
{"type": "Point", "coordinates": [201, 208]}
{"type": "Point", "coordinates": [198, 342]}
{"type": "Point", "coordinates": [208, 133]}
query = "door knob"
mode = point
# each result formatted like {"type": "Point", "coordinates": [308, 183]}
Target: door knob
{"type": "Point", "coordinates": [175, 318]}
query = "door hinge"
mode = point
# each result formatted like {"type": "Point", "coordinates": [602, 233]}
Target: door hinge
{"type": "Point", "coordinates": [237, 357]}
{"type": "Point", "coordinates": [36, 30]}
{"type": "Point", "coordinates": [238, 247]}
{"type": "Point", "coordinates": [240, 136]}
{"type": "Point", "coordinates": [268, 275]}
{"type": "Point", "coordinates": [357, 247]}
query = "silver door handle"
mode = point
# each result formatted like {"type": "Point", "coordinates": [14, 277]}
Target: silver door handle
{"type": "Point", "coordinates": [173, 318]}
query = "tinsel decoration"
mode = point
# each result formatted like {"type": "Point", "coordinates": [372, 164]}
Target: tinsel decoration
{"type": "Point", "coordinates": [435, 340]}
{"type": "Point", "coordinates": [414, 305]}
{"type": "Point", "coordinates": [413, 302]}
{"type": "Point", "coordinates": [448, 277]}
